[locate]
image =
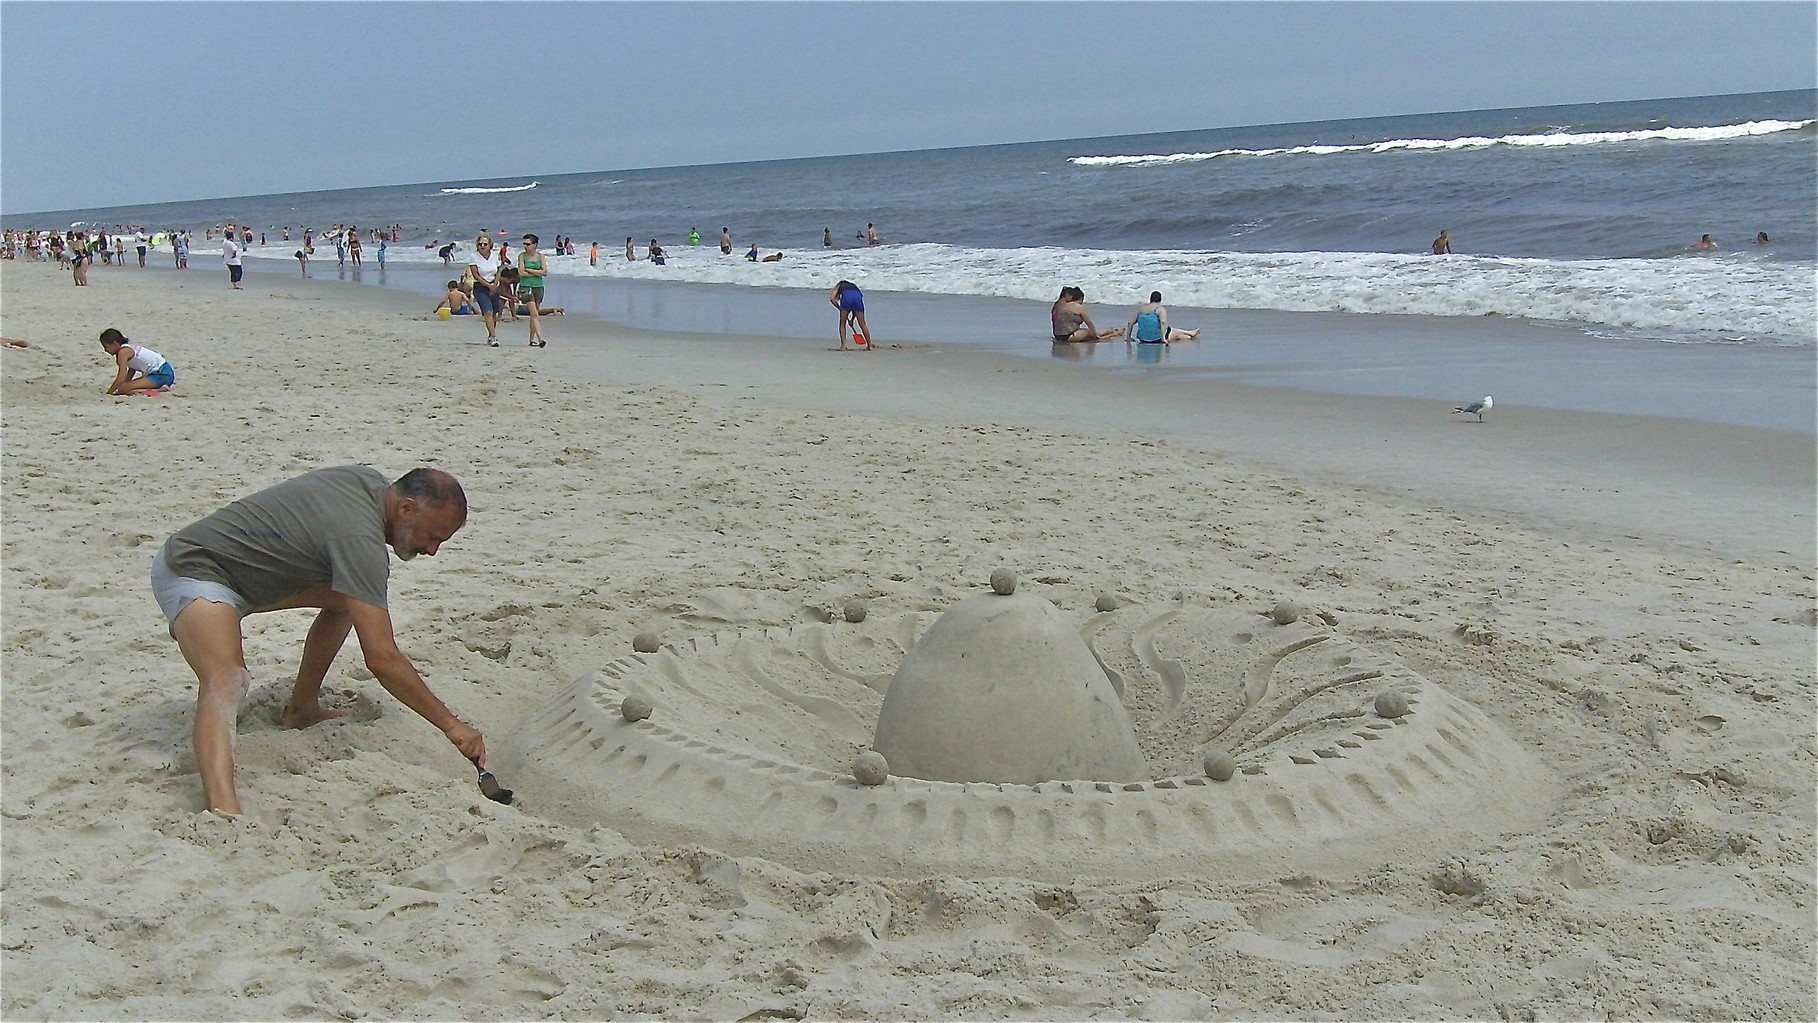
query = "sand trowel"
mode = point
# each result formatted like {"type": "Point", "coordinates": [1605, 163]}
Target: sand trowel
{"type": "Point", "coordinates": [489, 786]}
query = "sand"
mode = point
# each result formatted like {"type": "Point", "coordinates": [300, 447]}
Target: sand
{"type": "Point", "coordinates": [1624, 607]}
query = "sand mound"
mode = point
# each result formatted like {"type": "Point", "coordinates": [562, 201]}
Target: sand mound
{"type": "Point", "coordinates": [753, 754]}
{"type": "Point", "coordinates": [1002, 689]}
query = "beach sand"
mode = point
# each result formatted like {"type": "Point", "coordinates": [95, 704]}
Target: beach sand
{"type": "Point", "coordinates": [1628, 603]}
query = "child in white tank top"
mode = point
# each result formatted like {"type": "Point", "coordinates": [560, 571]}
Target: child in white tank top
{"type": "Point", "coordinates": [138, 369]}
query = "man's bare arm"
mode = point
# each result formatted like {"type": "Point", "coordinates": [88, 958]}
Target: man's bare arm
{"type": "Point", "coordinates": [401, 679]}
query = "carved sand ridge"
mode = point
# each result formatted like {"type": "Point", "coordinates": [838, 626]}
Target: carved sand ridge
{"type": "Point", "coordinates": [751, 744]}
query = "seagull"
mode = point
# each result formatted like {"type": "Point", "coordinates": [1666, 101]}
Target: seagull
{"type": "Point", "coordinates": [1476, 408]}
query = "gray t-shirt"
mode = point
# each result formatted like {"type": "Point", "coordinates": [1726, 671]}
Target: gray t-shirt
{"type": "Point", "coordinates": [327, 526]}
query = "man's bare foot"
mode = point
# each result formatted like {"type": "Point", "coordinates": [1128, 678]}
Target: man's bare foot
{"type": "Point", "coordinates": [303, 717]}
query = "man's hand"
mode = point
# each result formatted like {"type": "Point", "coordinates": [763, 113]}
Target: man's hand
{"type": "Point", "coordinates": [468, 740]}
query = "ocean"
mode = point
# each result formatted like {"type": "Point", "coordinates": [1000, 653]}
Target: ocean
{"type": "Point", "coordinates": [1578, 220]}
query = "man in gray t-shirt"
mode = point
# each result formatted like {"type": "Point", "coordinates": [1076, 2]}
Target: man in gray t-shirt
{"type": "Point", "coordinates": [314, 541]}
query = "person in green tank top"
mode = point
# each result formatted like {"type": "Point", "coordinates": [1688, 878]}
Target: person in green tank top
{"type": "Point", "coordinates": [532, 263]}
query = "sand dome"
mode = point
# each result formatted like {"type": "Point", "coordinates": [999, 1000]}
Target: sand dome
{"type": "Point", "coordinates": [1003, 689]}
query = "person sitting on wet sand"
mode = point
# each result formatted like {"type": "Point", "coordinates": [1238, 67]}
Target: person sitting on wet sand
{"type": "Point", "coordinates": [457, 302]}
{"type": "Point", "coordinates": [139, 368]}
{"type": "Point", "coordinates": [1071, 321]}
{"type": "Point", "coordinates": [1150, 324]}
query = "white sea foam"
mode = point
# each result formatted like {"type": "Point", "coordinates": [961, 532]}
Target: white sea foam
{"type": "Point", "coordinates": [1689, 297]}
{"type": "Point", "coordinates": [1549, 139]}
{"type": "Point", "coordinates": [483, 191]}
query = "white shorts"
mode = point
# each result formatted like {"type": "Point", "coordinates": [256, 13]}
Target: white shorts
{"type": "Point", "coordinates": [174, 592]}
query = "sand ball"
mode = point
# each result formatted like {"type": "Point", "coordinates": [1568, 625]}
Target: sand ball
{"type": "Point", "coordinates": [647, 642]}
{"type": "Point", "coordinates": [856, 610]}
{"type": "Point", "coordinates": [1285, 612]}
{"type": "Point", "coordinates": [635, 708]}
{"type": "Point", "coordinates": [870, 768]}
{"type": "Point", "coordinates": [1003, 581]}
{"type": "Point", "coordinates": [1107, 602]}
{"type": "Point", "coordinates": [1220, 766]}
{"type": "Point", "coordinates": [1391, 703]}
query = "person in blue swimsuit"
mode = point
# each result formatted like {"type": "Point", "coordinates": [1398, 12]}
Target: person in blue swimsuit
{"type": "Point", "coordinates": [1150, 324]}
{"type": "Point", "coordinates": [850, 301]}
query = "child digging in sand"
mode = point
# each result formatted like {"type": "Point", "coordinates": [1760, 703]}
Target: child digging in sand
{"type": "Point", "coordinates": [141, 370]}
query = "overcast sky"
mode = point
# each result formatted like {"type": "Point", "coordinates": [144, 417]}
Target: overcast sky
{"type": "Point", "coordinates": [117, 103]}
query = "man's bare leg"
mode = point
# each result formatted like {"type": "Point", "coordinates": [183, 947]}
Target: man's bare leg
{"type": "Point", "coordinates": [326, 635]}
{"type": "Point", "coordinates": [209, 636]}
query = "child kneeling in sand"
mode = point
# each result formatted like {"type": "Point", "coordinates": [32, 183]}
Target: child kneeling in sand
{"type": "Point", "coordinates": [140, 368]}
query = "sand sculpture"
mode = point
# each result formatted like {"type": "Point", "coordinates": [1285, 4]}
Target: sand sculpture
{"type": "Point", "coordinates": [1002, 689]}
{"type": "Point", "coordinates": [1210, 739]}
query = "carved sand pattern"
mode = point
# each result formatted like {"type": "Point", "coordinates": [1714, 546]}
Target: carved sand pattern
{"type": "Point", "coordinates": [750, 749]}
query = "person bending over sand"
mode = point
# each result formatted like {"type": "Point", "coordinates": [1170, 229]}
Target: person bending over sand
{"type": "Point", "coordinates": [850, 301]}
{"type": "Point", "coordinates": [319, 541]}
{"type": "Point", "coordinates": [138, 368]}
{"type": "Point", "coordinates": [1072, 322]}
{"type": "Point", "coordinates": [1150, 324]}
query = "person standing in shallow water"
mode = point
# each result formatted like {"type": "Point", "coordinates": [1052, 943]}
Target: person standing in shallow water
{"type": "Point", "coordinates": [1442, 245]}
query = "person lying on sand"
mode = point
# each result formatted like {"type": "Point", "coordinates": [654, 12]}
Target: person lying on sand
{"type": "Point", "coordinates": [319, 541]}
{"type": "Point", "coordinates": [137, 368]}
{"type": "Point", "coordinates": [13, 342]}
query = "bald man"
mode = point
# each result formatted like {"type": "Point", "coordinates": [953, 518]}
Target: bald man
{"type": "Point", "coordinates": [316, 541]}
